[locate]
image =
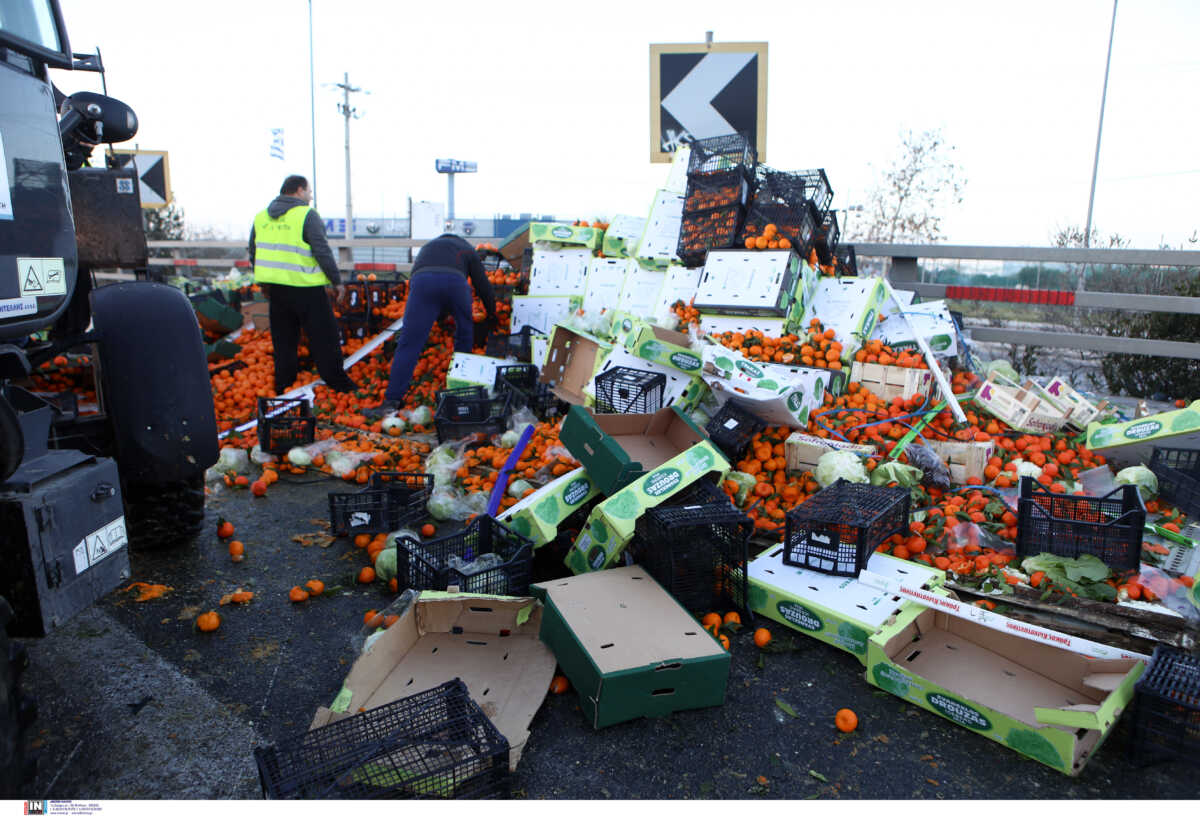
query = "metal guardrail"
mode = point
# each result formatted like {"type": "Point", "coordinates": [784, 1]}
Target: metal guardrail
{"type": "Point", "coordinates": [904, 274]}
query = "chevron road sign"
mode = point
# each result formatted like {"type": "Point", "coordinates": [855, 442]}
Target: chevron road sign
{"type": "Point", "coordinates": [703, 90]}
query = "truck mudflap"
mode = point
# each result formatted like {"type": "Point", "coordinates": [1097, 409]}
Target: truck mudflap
{"type": "Point", "coordinates": [154, 382]}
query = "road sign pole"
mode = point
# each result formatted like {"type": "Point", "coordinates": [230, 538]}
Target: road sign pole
{"type": "Point", "coordinates": [450, 196]}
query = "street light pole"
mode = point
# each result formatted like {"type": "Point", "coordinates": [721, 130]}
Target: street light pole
{"type": "Point", "coordinates": [312, 105]}
{"type": "Point", "coordinates": [1087, 231]}
{"type": "Point", "coordinates": [348, 112]}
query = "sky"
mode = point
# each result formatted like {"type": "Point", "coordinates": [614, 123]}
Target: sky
{"type": "Point", "coordinates": [552, 102]}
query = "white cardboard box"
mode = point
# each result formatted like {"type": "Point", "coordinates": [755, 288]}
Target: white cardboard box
{"type": "Point", "coordinates": [605, 280]}
{"type": "Point", "coordinates": [639, 295]}
{"type": "Point", "coordinates": [541, 313]}
{"type": "Point", "coordinates": [559, 271]}
{"type": "Point", "coordinates": [660, 240]}
{"type": "Point", "coordinates": [742, 282]}
{"type": "Point", "coordinates": [931, 321]}
{"type": "Point", "coordinates": [622, 236]}
{"type": "Point", "coordinates": [679, 284]}
{"type": "Point", "coordinates": [849, 306]}
{"type": "Point", "coordinates": [719, 324]}
{"type": "Point", "coordinates": [473, 369]}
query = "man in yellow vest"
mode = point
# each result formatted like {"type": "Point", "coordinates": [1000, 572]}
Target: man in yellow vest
{"type": "Point", "coordinates": [293, 264]}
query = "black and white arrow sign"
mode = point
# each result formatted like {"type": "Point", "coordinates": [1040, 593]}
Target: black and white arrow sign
{"type": "Point", "coordinates": [691, 101]}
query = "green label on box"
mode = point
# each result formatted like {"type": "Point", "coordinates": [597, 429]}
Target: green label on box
{"type": "Point", "coordinates": [892, 680]}
{"type": "Point", "coordinates": [662, 482]}
{"type": "Point", "coordinates": [801, 616]}
{"type": "Point", "coordinates": [959, 712]}
{"type": "Point", "coordinates": [868, 323]}
{"type": "Point", "coordinates": [685, 361]}
{"type": "Point", "coordinates": [852, 638]}
{"type": "Point", "coordinates": [1143, 430]}
{"type": "Point", "coordinates": [561, 232]}
{"type": "Point", "coordinates": [749, 369]}
{"type": "Point", "coordinates": [940, 342]}
{"type": "Point", "coordinates": [576, 492]}
{"type": "Point", "coordinates": [795, 400]}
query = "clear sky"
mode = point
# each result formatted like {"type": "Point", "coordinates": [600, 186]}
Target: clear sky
{"type": "Point", "coordinates": [552, 101]}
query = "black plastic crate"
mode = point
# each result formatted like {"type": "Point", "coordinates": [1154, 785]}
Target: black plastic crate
{"type": "Point", "coordinates": [353, 298]}
{"type": "Point", "coordinates": [722, 189]}
{"type": "Point", "coordinates": [836, 529]}
{"type": "Point", "coordinates": [794, 223]}
{"type": "Point", "coordinates": [363, 511]}
{"type": "Point", "coordinates": [353, 327]}
{"type": "Point", "coordinates": [518, 345]}
{"type": "Point", "coordinates": [407, 495]}
{"type": "Point", "coordinates": [466, 411]}
{"type": "Point", "coordinates": [702, 230]}
{"type": "Point", "coordinates": [826, 239]}
{"type": "Point", "coordinates": [285, 423]}
{"type": "Point", "coordinates": [697, 552]}
{"type": "Point", "coordinates": [524, 391]}
{"type": "Point", "coordinates": [428, 565]}
{"type": "Point", "coordinates": [621, 390]}
{"type": "Point", "coordinates": [732, 428]}
{"type": "Point", "coordinates": [720, 154]}
{"type": "Point", "coordinates": [795, 188]}
{"type": "Point", "coordinates": [1108, 527]}
{"type": "Point", "coordinates": [1166, 709]}
{"type": "Point", "coordinates": [1178, 472]}
{"type": "Point", "coordinates": [436, 744]}
{"type": "Point", "coordinates": [847, 260]}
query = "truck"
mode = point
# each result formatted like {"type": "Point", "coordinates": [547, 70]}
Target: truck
{"type": "Point", "coordinates": [81, 482]}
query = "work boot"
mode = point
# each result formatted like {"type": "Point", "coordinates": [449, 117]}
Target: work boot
{"type": "Point", "coordinates": [384, 409]}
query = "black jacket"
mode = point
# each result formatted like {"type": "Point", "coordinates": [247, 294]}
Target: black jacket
{"type": "Point", "coordinates": [454, 253]}
{"type": "Point", "coordinates": [314, 236]}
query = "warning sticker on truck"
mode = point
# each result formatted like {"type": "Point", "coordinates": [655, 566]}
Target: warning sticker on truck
{"type": "Point", "coordinates": [97, 546]}
{"type": "Point", "coordinates": [41, 277]}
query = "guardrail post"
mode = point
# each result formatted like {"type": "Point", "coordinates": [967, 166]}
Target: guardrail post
{"type": "Point", "coordinates": [904, 270]}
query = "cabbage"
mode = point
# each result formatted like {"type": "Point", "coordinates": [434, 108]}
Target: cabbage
{"type": "Point", "coordinates": [1004, 369]}
{"type": "Point", "coordinates": [840, 465]}
{"type": "Point", "coordinates": [517, 488]}
{"type": "Point", "coordinates": [392, 422]}
{"type": "Point", "coordinates": [442, 464]}
{"type": "Point", "coordinates": [234, 459]}
{"type": "Point", "coordinates": [258, 457]}
{"type": "Point", "coordinates": [421, 415]}
{"type": "Point", "coordinates": [385, 563]}
{"type": "Point", "coordinates": [1028, 469]}
{"type": "Point", "coordinates": [901, 474]}
{"type": "Point", "coordinates": [340, 463]}
{"type": "Point", "coordinates": [299, 457]}
{"type": "Point", "coordinates": [446, 503]}
{"type": "Point", "coordinates": [477, 503]}
{"type": "Point", "coordinates": [1142, 477]}
{"type": "Point", "coordinates": [509, 439]}
{"type": "Point", "coordinates": [745, 483]}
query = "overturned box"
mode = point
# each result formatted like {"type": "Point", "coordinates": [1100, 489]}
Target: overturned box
{"type": "Point", "coordinates": [492, 643]}
{"type": "Point", "coordinates": [1131, 443]}
{"type": "Point", "coordinates": [656, 344]}
{"type": "Point", "coordinates": [1048, 703]}
{"type": "Point", "coordinates": [1023, 407]}
{"type": "Point", "coordinates": [539, 515]}
{"type": "Point", "coordinates": [571, 361]}
{"type": "Point", "coordinates": [629, 649]}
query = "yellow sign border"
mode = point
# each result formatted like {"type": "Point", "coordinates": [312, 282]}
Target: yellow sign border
{"type": "Point", "coordinates": [657, 49]}
{"type": "Point", "coordinates": [166, 175]}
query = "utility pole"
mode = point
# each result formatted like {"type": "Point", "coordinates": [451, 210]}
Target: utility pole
{"type": "Point", "coordinates": [1087, 230]}
{"type": "Point", "coordinates": [348, 112]}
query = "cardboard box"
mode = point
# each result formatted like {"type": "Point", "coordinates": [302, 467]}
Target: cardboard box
{"type": "Point", "coordinates": [559, 272]}
{"type": "Point", "coordinates": [748, 283]}
{"type": "Point", "coordinates": [719, 324]}
{"type": "Point", "coordinates": [660, 238]}
{"type": "Point", "coordinates": [1022, 407]}
{"type": "Point", "coordinates": [677, 172]}
{"type": "Point", "coordinates": [931, 321]}
{"type": "Point", "coordinates": [889, 381]}
{"type": "Point", "coordinates": [679, 285]}
{"type": "Point", "coordinates": [571, 361]}
{"type": "Point", "coordinates": [1047, 703]}
{"type": "Point", "coordinates": [539, 345]}
{"type": "Point", "coordinates": [656, 344]}
{"type": "Point", "coordinates": [616, 449]}
{"type": "Point", "coordinates": [628, 648]}
{"type": "Point", "coordinates": [541, 313]}
{"type": "Point", "coordinates": [256, 315]}
{"type": "Point", "coordinates": [538, 515]}
{"type": "Point", "coordinates": [781, 395]}
{"type": "Point", "coordinates": [214, 315]}
{"type": "Point", "coordinates": [559, 235]}
{"type": "Point", "coordinates": [639, 294]}
{"type": "Point", "coordinates": [611, 525]}
{"type": "Point", "coordinates": [964, 459]}
{"type": "Point", "coordinates": [682, 390]}
{"type": "Point", "coordinates": [803, 451]}
{"type": "Point", "coordinates": [849, 306]}
{"type": "Point", "coordinates": [605, 280]}
{"type": "Point", "coordinates": [622, 236]}
{"type": "Point", "coordinates": [1131, 443]}
{"type": "Point", "coordinates": [473, 369]}
{"type": "Point", "coordinates": [1077, 407]}
{"type": "Point", "coordinates": [492, 643]}
{"type": "Point", "coordinates": [842, 612]}
{"type": "Point", "coordinates": [513, 247]}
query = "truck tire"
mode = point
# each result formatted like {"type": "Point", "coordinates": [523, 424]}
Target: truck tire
{"type": "Point", "coordinates": [16, 713]}
{"type": "Point", "coordinates": [163, 515]}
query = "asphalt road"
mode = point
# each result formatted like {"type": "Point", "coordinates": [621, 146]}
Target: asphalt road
{"type": "Point", "coordinates": [135, 703]}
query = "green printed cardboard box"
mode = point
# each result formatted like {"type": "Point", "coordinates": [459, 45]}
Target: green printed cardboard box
{"type": "Point", "coordinates": [656, 344]}
{"type": "Point", "coordinates": [849, 306]}
{"type": "Point", "coordinates": [1040, 700]}
{"type": "Point", "coordinates": [622, 236]}
{"type": "Point", "coordinates": [1132, 442]}
{"type": "Point", "coordinates": [611, 525]}
{"type": "Point", "coordinates": [539, 515]}
{"type": "Point", "coordinates": [566, 235]}
{"type": "Point", "coordinates": [842, 612]}
{"type": "Point", "coordinates": [628, 648]}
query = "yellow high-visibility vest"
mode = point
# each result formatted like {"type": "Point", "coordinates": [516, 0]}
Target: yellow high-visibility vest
{"type": "Point", "coordinates": [280, 253]}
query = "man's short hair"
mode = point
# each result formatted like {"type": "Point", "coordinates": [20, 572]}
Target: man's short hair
{"type": "Point", "coordinates": [293, 185]}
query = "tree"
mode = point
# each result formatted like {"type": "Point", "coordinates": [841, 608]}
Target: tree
{"type": "Point", "coordinates": [908, 200]}
{"type": "Point", "coordinates": [164, 224]}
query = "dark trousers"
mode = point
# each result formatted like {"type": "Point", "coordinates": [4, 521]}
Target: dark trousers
{"type": "Point", "coordinates": [291, 309]}
{"type": "Point", "coordinates": [430, 294]}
